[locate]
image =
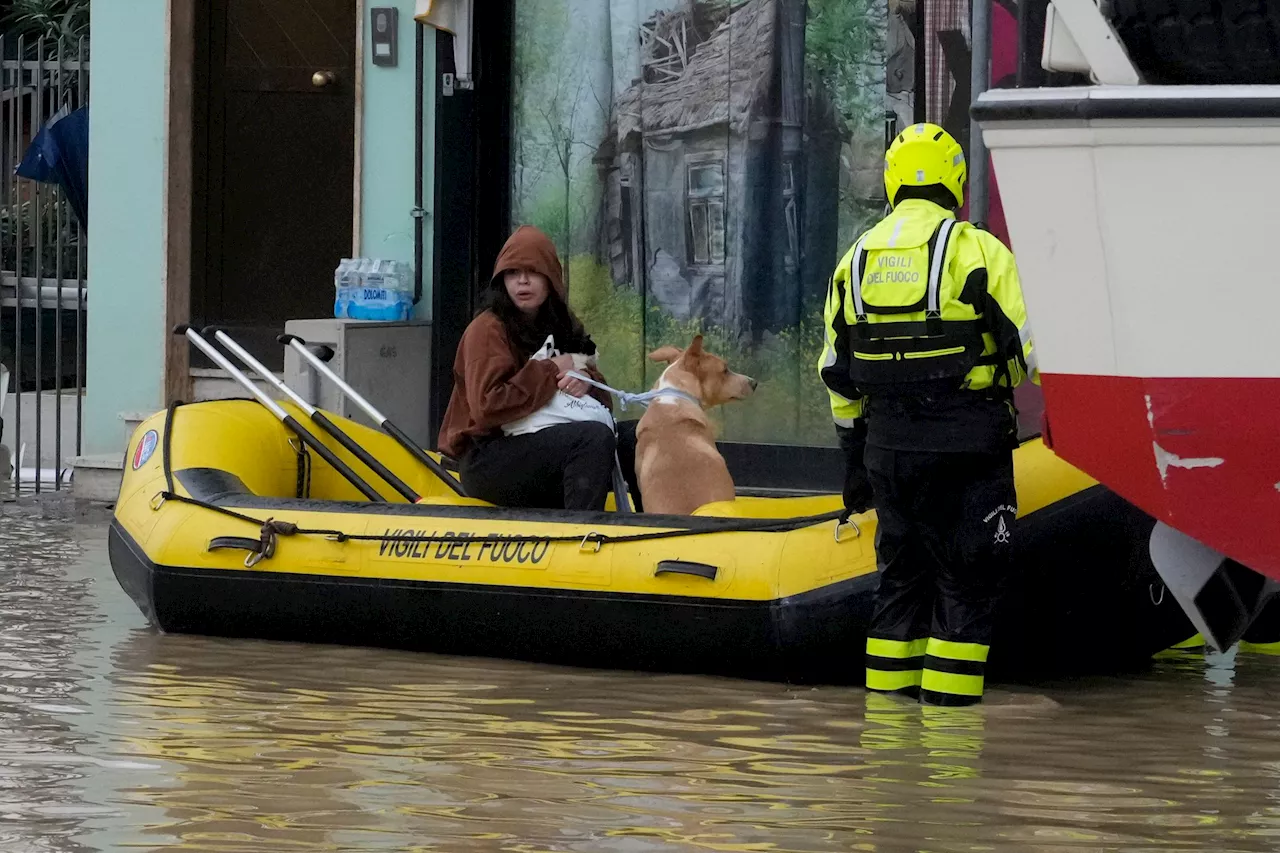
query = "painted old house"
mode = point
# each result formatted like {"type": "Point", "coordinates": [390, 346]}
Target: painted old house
{"type": "Point", "coordinates": [720, 166]}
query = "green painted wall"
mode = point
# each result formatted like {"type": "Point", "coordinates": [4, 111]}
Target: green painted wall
{"type": "Point", "coordinates": [126, 219]}
{"type": "Point", "coordinates": [386, 215]}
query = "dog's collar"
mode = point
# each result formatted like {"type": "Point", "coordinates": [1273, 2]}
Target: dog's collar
{"type": "Point", "coordinates": [670, 392]}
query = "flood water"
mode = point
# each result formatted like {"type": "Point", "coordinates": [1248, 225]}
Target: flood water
{"type": "Point", "coordinates": [115, 738]}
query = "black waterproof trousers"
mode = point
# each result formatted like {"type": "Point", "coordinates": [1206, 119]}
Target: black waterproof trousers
{"type": "Point", "coordinates": [945, 528]}
{"type": "Point", "coordinates": [569, 466]}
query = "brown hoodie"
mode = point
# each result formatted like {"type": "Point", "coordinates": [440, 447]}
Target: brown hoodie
{"type": "Point", "coordinates": [493, 384]}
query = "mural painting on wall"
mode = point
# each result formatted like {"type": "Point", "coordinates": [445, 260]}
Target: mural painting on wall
{"type": "Point", "coordinates": [702, 165]}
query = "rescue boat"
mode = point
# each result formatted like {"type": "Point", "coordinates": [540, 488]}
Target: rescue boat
{"type": "Point", "coordinates": [226, 525]}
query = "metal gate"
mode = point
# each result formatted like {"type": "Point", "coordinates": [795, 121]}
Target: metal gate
{"type": "Point", "coordinates": [42, 272]}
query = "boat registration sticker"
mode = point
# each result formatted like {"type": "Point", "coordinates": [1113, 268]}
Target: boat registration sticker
{"type": "Point", "coordinates": [146, 448]}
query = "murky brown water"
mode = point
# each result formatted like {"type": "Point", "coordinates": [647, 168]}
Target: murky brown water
{"type": "Point", "coordinates": [114, 738]}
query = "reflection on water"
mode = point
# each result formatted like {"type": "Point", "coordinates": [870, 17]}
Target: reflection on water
{"type": "Point", "coordinates": [112, 737]}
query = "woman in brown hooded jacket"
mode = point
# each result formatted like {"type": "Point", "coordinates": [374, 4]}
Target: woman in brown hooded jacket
{"type": "Point", "coordinates": [567, 466]}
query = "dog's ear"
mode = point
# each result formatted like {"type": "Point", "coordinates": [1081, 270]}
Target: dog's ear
{"type": "Point", "coordinates": [665, 354]}
{"type": "Point", "coordinates": [695, 348]}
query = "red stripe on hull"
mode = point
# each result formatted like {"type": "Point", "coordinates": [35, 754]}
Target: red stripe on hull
{"type": "Point", "coordinates": [1202, 455]}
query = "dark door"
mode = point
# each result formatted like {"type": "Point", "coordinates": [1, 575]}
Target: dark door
{"type": "Point", "coordinates": [472, 183]}
{"type": "Point", "coordinates": [275, 194]}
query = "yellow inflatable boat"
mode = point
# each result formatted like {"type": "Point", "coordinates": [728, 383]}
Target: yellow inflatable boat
{"type": "Point", "coordinates": [226, 525]}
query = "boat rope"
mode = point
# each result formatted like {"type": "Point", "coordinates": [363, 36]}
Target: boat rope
{"type": "Point", "coordinates": [270, 529]}
{"type": "Point", "coordinates": [626, 398]}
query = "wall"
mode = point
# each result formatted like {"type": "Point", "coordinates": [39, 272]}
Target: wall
{"type": "Point", "coordinates": [126, 331]}
{"type": "Point", "coordinates": [126, 320]}
{"type": "Point", "coordinates": [386, 220]}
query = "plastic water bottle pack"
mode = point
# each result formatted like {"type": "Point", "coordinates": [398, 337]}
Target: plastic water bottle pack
{"type": "Point", "coordinates": [372, 289]}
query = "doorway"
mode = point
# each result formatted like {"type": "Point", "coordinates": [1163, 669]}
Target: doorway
{"type": "Point", "coordinates": [274, 140]}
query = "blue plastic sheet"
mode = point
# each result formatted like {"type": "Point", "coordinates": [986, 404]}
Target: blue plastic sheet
{"type": "Point", "coordinates": [60, 155]}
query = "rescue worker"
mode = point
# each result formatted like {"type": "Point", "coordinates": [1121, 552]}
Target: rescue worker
{"type": "Point", "coordinates": [926, 338]}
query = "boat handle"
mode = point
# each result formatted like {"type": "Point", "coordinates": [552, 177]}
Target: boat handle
{"type": "Point", "coordinates": [259, 549]}
{"type": "Point", "coordinates": [686, 567]}
{"type": "Point", "coordinates": [235, 543]}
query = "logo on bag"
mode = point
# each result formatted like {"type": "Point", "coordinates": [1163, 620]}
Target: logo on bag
{"type": "Point", "coordinates": [146, 448]}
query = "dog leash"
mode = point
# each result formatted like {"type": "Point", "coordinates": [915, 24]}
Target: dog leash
{"type": "Point", "coordinates": [626, 398]}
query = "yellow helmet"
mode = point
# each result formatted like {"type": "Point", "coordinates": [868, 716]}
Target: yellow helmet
{"type": "Point", "coordinates": [924, 155]}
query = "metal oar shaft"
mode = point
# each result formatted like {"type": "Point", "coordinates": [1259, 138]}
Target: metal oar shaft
{"type": "Point", "coordinates": [287, 419]}
{"type": "Point", "coordinates": [317, 417]}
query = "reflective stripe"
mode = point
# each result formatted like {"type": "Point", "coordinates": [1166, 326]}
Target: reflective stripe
{"type": "Point", "coordinates": [897, 230]}
{"type": "Point", "coordinates": [934, 353]}
{"type": "Point", "coordinates": [845, 422]}
{"type": "Point", "coordinates": [933, 305]}
{"type": "Point", "coordinates": [949, 682]}
{"type": "Point", "coordinates": [1033, 363]}
{"type": "Point", "coordinates": [855, 278]}
{"type": "Point", "coordinates": [834, 300]}
{"type": "Point", "coordinates": [1024, 338]}
{"type": "Point", "coordinates": [879, 679]}
{"type": "Point", "coordinates": [896, 648]}
{"type": "Point", "coordinates": [958, 651]}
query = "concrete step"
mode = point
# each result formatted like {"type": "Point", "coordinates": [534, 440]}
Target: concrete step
{"type": "Point", "coordinates": [97, 478]}
{"type": "Point", "coordinates": [212, 384]}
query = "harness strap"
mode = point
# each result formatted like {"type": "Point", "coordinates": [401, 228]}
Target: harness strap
{"type": "Point", "coordinates": [855, 285]}
{"type": "Point", "coordinates": [933, 307]}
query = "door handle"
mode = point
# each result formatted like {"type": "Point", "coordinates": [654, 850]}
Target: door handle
{"type": "Point", "coordinates": [322, 78]}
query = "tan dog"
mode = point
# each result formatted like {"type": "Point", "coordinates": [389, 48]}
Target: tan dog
{"type": "Point", "coordinates": [677, 463]}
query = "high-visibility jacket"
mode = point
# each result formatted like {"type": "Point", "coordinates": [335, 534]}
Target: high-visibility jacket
{"type": "Point", "coordinates": [924, 303]}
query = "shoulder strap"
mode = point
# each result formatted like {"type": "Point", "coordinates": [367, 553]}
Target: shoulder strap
{"type": "Point", "coordinates": [858, 268]}
{"type": "Point", "coordinates": [937, 265]}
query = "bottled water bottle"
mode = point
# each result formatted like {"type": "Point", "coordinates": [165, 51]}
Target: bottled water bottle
{"type": "Point", "coordinates": [401, 276]}
{"type": "Point", "coordinates": [346, 281]}
{"type": "Point", "coordinates": [381, 292]}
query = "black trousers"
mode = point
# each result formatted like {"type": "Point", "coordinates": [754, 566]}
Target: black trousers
{"type": "Point", "coordinates": [945, 528]}
{"type": "Point", "coordinates": [569, 466]}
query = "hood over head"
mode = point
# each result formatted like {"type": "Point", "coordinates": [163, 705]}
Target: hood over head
{"type": "Point", "coordinates": [530, 249]}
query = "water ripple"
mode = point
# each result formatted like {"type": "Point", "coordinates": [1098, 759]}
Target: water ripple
{"type": "Point", "coordinates": [113, 737]}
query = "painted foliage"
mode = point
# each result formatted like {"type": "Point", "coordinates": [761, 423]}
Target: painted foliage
{"type": "Point", "coordinates": [702, 165]}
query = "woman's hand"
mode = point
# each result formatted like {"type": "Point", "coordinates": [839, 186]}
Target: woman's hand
{"type": "Point", "coordinates": [563, 363]}
{"type": "Point", "coordinates": [573, 387]}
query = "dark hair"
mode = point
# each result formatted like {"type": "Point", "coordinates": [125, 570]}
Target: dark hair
{"type": "Point", "coordinates": [527, 334]}
{"type": "Point", "coordinates": [936, 193]}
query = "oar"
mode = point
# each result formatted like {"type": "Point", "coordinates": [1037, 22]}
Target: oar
{"type": "Point", "coordinates": [300, 346]}
{"type": "Point", "coordinates": [317, 417]}
{"type": "Point", "coordinates": [287, 419]}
